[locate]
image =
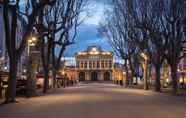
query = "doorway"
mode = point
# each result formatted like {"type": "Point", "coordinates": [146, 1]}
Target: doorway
{"type": "Point", "coordinates": [82, 76]}
{"type": "Point", "coordinates": [94, 76]}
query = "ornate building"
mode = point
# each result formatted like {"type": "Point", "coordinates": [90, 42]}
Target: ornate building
{"type": "Point", "coordinates": [94, 64]}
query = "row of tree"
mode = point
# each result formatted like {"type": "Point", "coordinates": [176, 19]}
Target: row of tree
{"type": "Point", "coordinates": [155, 27]}
{"type": "Point", "coordinates": [53, 22]}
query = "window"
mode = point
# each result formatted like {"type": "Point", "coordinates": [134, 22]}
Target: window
{"type": "Point", "coordinates": [94, 65]}
{"type": "Point", "coordinates": [90, 64]}
{"type": "Point", "coordinates": [102, 64]}
{"type": "Point", "coordinates": [110, 64]}
{"type": "Point", "coordinates": [85, 65]}
{"type": "Point", "coordinates": [81, 64]}
{"type": "Point", "coordinates": [98, 64]}
{"type": "Point", "coordinates": [107, 64]}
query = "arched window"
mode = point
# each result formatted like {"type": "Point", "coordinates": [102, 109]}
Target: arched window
{"type": "Point", "coordinates": [98, 64]}
{"type": "Point", "coordinates": [85, 65]}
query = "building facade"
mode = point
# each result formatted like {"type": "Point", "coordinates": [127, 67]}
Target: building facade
{"type": "Point", "coordinates": [94, 64]}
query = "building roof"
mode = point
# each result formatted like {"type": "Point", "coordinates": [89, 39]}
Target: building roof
{"type": "Point", "coordinates": [94, 50]}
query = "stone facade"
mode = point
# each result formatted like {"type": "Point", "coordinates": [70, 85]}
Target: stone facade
{"type": "Point", "coordinates": [94, 64]}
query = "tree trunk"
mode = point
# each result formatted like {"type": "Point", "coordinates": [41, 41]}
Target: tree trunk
{"type": "Point", "coordinates": [11, 90]}
{"type": "Point", "coordinates": [54, 78]}
{"type": "Point", "coordinates": [145, 76]}
{"type": "Point", "coordinates": [132, 71]}
{"type": "Point", "coordinates": [158, 77]}
{"type": "Point", "coordinates": [127, 75]}
{"type": "Point", "coordinates": [46, 80]}
{"type": "Point", "coordinates": [174, 78]}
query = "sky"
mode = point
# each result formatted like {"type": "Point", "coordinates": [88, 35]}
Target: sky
{"type": "Point", "coordinates": [87, 32]}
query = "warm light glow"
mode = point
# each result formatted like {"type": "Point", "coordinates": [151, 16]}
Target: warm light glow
{"type": "Point", "coordinates": [178, 70]}
{"type": "Point", "coordinates": [94, 50]}
{"type": "Point", "coordinates": [106, 53]}
{"type": "Point", "coordinates": [144, 56]}
{"type": "Point", "coordinates": [181, 80]}
{"type": "Point", "coordinates": [29, 41]}
{"type": "Point", "coordinates": [167, 80]}
{"type": "Point", "coordinates": [94, 53]}
{"type": "Point", "coordinates": [82, 53]}
{"type": "Point", "coordinates": [63, 72]}
{"type": "Point", "coordinates": [34, 39]}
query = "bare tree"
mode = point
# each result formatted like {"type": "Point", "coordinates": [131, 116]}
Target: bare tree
{"type": "Point", "coordinates": [59, 23]}
{"type": "Point", "coordinates": [147, 32]}
{"type": "Point", "coordinates": [12, 9]}
{"type": "Point", "coordinates": [116, 31]}
{"type": "Point", "coordinates": [173, 25]}
{"type": "Point", "coordinates": [156, 28]}
{"type": "Point", "coordinates": [66, 24]}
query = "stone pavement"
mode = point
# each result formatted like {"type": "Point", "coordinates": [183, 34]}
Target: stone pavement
{"type": "Point", "coordinates": [98, 100]}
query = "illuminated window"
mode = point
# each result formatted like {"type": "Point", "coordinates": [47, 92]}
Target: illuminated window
{"type": "Point", "coordinates": [107, 64]}
{"type": "Point", "coordinates": [90, 64]}
{"type": "Point", "coordinates": [81, 64]}
{"type": "Point", "coordinates": [85, 65]}
{"type": "Point", "coordinates": [94, 64]}
{"type": "Point", "coordinates": [98, 64]}
{"type": "Point", "coordinates": [110, 64]}
{"type": "Point", "coordinates": [102, 64]}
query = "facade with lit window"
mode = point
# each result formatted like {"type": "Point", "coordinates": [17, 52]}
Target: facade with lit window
{"type": "Point", "coordinates": [94, 64]}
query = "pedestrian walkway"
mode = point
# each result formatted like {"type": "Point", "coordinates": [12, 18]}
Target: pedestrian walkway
{"type": "Point", "coordinates": [97, 100]}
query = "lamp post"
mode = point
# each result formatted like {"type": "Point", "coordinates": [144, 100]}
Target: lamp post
{"type": "Point", "coordinates": [145, 73]}
{"type": "Point", "coordinates": [32, 66]}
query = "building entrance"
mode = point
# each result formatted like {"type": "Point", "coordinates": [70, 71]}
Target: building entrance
{"type": "Point", "coordinates": [94, 76]}
{"type": "Point", "coordinates": [107, 76]}
{"type": "Point", "coordinates": [82, 76]}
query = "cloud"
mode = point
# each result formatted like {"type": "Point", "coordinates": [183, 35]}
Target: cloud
{"type": "Point", "coordinates": [87, 36]}
{"type": "Point", "coordinates": [87, 32]}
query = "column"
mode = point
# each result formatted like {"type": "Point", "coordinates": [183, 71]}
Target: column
{"type": "Point", "coordinates": [87, 64]}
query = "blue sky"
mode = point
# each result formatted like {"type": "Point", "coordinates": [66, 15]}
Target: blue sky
{"type": "Point", "coordinates": [87, 31]}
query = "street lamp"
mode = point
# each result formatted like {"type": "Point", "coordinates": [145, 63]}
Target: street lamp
{"type": "Point", "coordinates": [34, 39]}
{"type": "Point", "coordinates": [63, 72]}
{"type": "Point", "coordinates": [145, 73]}
{"type": "Point", "coordinates": [31, 42]}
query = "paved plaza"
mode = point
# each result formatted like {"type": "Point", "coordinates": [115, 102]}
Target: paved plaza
{"type": "Point", "coordinates": [97, 100]}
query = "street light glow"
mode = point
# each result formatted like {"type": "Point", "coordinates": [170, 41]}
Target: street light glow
{"type": "Point", "coordinates": [34, 39]}
{"type": "Point", "coordinates": [29, 41]}
{"type": "Point", "coordinates": [144, 56]}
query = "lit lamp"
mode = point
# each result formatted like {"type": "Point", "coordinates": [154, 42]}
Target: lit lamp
{"type": "Point", "coordinates": [31, 42]}
{"type": "Point", "coordinates": [63, 72]}
{"type": "Point", "coordinates": [146, 87]}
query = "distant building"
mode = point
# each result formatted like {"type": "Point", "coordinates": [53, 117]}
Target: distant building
{"type": "Point", "coordinates": [118, 73]}
{"type": "Point", "coordinates": [94, 64]}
